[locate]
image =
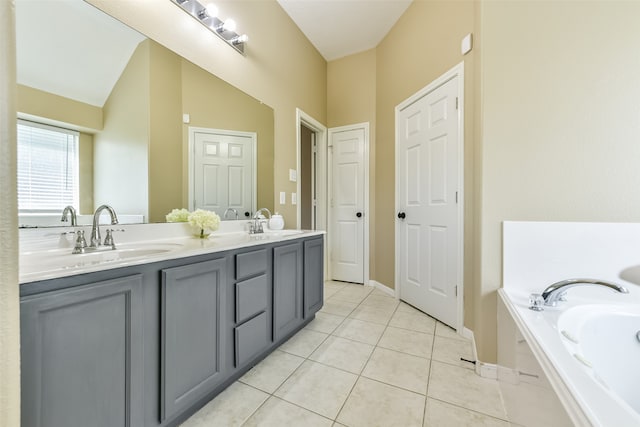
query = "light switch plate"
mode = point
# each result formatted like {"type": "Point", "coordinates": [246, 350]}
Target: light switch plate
{"type": "Point", "coordinates": [294, 198]}
{"type": "Point", "coordinates": [467, 43]}
{"type": "Point", "coordinates": [293, 175]}
{"type": "Point", "coordinates": [283, 197]}
{"type": "Point", "coordinates": [186, 119]}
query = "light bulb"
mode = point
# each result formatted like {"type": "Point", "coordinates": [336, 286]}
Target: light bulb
{"type": "Point", "coordinates": [241, 39]}
{"type": "Point", "coordinates": [212, 10]}
{"type": "Point", "coordinates": [229, 25]}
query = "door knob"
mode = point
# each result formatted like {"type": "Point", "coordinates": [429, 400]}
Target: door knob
{"type": "Point", "coordinates": [247, 214]}
{"type": "Point", "coordinates": [402, 215]}
{"type": "Point", "coordinates": [359, 214]}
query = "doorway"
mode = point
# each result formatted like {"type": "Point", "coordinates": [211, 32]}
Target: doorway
{"type": "Point", "coordinates": [429, 198]}
{"type": "Point", "coordinates": [307, 178]}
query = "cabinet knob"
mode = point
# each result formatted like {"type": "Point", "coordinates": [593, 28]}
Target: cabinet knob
{"type": "Point", "coordinates": [402, 215]}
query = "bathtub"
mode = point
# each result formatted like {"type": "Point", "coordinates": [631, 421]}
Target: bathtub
{"type": "Point", "coordinates": [589, 352]}
{"type": "Point", "coordinates": [588, 346]}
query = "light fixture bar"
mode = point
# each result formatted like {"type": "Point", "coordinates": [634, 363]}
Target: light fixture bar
{"type": "Point", "coordinates": [226, 30]}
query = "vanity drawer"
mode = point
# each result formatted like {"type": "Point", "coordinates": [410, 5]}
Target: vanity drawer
{"type": "Point", "coordinates": [251, 297]}
{"type": "Point", "coordinates": [251, 338]}
{"type": "Point", "coordinates": [251, 263]}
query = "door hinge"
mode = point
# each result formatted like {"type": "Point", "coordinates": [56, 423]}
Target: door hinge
{"type": "Point", "coordinates": [456, 197]}
{"type": "Point", "coordinates": [456, 290]}
{"type": "Point", "coordinates": [456, 102]}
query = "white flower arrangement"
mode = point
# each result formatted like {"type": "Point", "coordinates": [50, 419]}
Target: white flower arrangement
{"type": "Point", "coordinates": [206, 221]}
{"type": "Point", "coordinates": [178, 215]}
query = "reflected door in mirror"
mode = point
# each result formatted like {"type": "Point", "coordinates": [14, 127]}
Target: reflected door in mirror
{"type": "Point", "coordinates": [223, 170]}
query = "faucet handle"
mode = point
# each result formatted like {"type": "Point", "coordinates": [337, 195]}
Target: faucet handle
{"type": "Point", "coordinates": [81, 243]}
{"type": "Point", "coordinates": [536, 302]}
{"type": "Point", "coordinates": [108, 240]}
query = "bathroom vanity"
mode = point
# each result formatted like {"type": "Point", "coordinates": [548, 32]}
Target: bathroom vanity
{"type": "Point", "coordinates": [149, 342]}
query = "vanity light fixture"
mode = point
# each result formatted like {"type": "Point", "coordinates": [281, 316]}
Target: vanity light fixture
{"type": "Point", "coordinates": [208, 16]}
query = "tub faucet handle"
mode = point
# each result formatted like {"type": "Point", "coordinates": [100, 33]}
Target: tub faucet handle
{"type": "Point", "coordinates": [536, 302]}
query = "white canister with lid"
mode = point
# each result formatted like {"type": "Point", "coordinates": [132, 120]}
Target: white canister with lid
{"type": "Point", "coordinates": [276, 222]}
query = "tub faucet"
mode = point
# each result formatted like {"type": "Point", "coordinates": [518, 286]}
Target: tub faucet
{"type": "Point", "coordinates": [65, 213]}
{"type": "Point", "coordinates": [95, 229]}
{"type": "Point", "coordinates": [256, 227]}
{"type": "Point", "coordinates": [557, 291]}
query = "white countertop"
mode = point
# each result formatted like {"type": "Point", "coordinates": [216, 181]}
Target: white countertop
{"type": "Point", "coordinates": [46, 253]}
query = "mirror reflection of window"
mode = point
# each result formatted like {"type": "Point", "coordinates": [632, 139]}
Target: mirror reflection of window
{"type": "Point", "coordinates": [48, 172]}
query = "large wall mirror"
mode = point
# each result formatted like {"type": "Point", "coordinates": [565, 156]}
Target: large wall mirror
{"type": "Point", "coordinates": [138, 110]}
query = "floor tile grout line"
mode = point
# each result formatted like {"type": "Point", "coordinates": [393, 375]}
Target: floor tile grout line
{"type": "Point", "coordinates": [470, 409]}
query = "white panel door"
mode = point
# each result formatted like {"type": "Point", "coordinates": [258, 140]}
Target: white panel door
{"type": "Point", "coordinates": [428, 175]}
{"type": "Point", "coordinates": [223, 172]}
{"type": "Point", "coordinates": [347, 209]}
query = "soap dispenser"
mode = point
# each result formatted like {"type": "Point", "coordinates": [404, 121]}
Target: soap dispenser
{"type": "Point", "coordinates": [276, 222]}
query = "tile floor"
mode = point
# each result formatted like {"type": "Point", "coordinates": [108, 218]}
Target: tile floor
{"type": "Point", "coordinates": [365, 360]}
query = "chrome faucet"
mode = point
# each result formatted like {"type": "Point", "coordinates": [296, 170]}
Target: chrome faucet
{"type": "Point", "coordinates": [557, 291]}
{"type": "Point", "coordinates": [256, 227]}
{"type": "Point", "coordinates": [95, 229]}
{"type": "Point", "coordinates": [69, 210]}
{"type": "Point", "coordinates": [224, 216]}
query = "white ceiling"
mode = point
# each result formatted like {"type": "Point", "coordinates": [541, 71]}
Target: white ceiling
{"type": "Point", "coordinates": [339, 28]}
{"type": "Point", "coordinates": [71, 49]}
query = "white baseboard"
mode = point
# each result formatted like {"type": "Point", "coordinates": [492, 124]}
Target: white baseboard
{"type": "Point", "coordinates": [387, 290]}
{"type": "Point", "coordinates": [485, 370]}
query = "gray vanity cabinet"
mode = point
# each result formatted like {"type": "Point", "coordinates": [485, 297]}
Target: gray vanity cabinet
{"type": "Point", "coordinates": [191, 333]}
{"type": "Point", "coordinates": [82, 355]}
{"type": "Point", "coordinates": [148, 345]}
{"type": "Point", "coordinates": [313, 276]}
{"type": "Point", "coordinates": [287, 289]}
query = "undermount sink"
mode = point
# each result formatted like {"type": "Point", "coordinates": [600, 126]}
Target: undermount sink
{"type": "Point", "coordinates": [275, 234]}
{"type": "Point", "coordinates": [62, 260]}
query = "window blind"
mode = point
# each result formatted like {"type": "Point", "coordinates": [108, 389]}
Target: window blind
{"type": "Point", "coordinates": [47, 168]}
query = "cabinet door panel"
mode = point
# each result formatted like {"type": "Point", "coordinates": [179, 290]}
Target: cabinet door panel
{"type": "Point", "coordinates": [251, 263]}
{"type": "Point", "coordinates": [251, 297]}
{"type": "Point", "coordinates": [82, 356]}
{"type": "Point", "coordinates": [251, 338]}
{"type": "Point", "coordinates": [287, 289]}
{"type": "Point", "coordinates": [191, 331]}
{"type": "Point", "coordinates": [313, 276]}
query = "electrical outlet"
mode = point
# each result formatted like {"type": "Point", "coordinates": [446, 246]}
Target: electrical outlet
{"type": "Point", "coordinates": [283, 198]}
{"type": "Point", "coordinates": [294, 198]}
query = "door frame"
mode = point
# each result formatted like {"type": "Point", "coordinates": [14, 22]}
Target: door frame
{"type": "Point", "coordinates": [320, 131]}
{"type": "Point", "coordinates": [321, 175]}
{"type": "Point", "coordinates": [456, 71]}
{"type": "Point", "coordinates": [192, 158]}
{"type": "Point", "coordinates": [367, 208]}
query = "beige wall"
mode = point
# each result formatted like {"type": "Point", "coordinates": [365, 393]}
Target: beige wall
{"type": "Point", "coordinates": [9, 289]}
{"type": "Point", "coordinates": [58, 109]}
{"type": "Point", "coordinates": [121, 149]}
{"type": "Point", "coordinates": [281, 67]}
{"type": "Point", "coordinates": [165, 132]}
{"type": "Point", "coordinates": [560, 135]}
